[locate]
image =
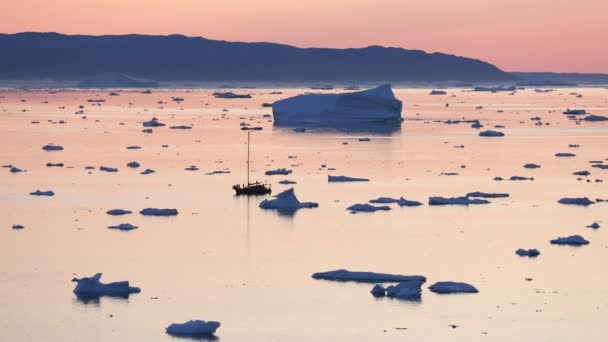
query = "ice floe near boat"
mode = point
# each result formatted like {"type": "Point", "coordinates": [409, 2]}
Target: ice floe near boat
{"type": "Point", "coordinates": [193, 328]}
{"type": "Point", "coordinates": [532, 253]}
{"type": "Point", "coordinates": [42, 193]}
{"type": "Point", "coordinates": [576, 201]}
{"type": "Point", "coordinates": [158, 212]}
{"type": "Point", "coordinates": [343, 179]}
{"type": "Point", "coordinates": [118, 212]}
{"type": "Point", "coordinates": [490, 133]}
{"type": "Point", "coordinates": [286, 201]}
{"type": "Point", "coordinates": [574, 240]}
{"type": "Point", "coordinates": [487, 195]}
{"type": "Point", "coordinates": [367, 207]}
{"type": "Point", "coordinates": [456, 201]}
{"type": "Point", "coordinates": [367, 277]}
{"type": "Point", "coordinates": [282, 171]}
{"type": "Point", "coordinates": [446, 287]}
{"type": "Point", "coordinates": [372, 105]}
{"type": "Point", "coordinates": [124, 227]}
{"type": "Point", "coordinates": [116, 80]}
{"type": "Point", "coordinates": [93, 287]}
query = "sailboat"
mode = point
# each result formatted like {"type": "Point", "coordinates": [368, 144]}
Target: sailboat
{"type": "Point", "coordinates": [255, 188]}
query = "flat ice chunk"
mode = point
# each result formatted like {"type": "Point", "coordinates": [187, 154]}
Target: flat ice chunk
{"type": "Point", "coordinates": [456, 201]}
{"type": "Point", "coordinates": [42, 193]}
{"type": "Point", "coordinates": [491, 134]}
{"type": "Point", "coordinates": [366, 277]}
{"type": "Point", "coordinates": [576, 201]}
{"type": "Point", "coordinates": [92, 286]}
{"type": "Point", "coordinates": [595, 118]}
{"type": "Point", "coordinates": [286, 200]}
{"type": "Point", "coordinates": [282, 171]}
{"type": "Point", "coordinates": [532, 253]}
{"type": "Point", "coordinates": [158, 212]}
{"type": "Point", "coordinates": [193, 328]}
{"type": "Point", "coordinates": [487, 194]}
{"type": "Point", "coordinates": [445, 287]}
{"type": "Point", "coordinates": [18, 227]}
{"type": "Point", "coordinates": [51, 147]}
{"type": "Point", "coordinates": [116, 212]}
{"type": "Point", "coordinates": [574, 240]}
{"type": "Point", "coordinates": [124, 226]}
{"type": "Point", "coordinates": [332, 179]}
{"type": "Point", "coordinates": [287, 182]}
{"type": "Point", "coordinates": [531, 166]}
{"type": "Point", "coordinates": [565, 154]}
{"type": "Point", "coordinates": [147, 171]}
{"type": "Point", "coordinates": [230, 95]}
{"type": "Point", "coordinates": [372, 105]}
{"type": "Point", "coordinates": [408, 290]}
{"type": "Point", "coordinates": [367, 207]}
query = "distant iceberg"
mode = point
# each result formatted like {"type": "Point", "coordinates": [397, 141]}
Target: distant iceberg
{"type": "Point", "coordinates": [116, 80]}
{"type": "Point", "coordinates": [344, 179]}
{"type": "Point", "coordinates": [366, 277]}
{"type": "Point", "coordinates": [193, 328]}
{"type": "Point", "coordinates": [445, 287]}
{"type": "Point", "coordinates": [286, 201]}
{"type": "Point", "coordinates": [372, 105]}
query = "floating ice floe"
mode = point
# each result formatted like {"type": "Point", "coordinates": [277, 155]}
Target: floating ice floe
{"type": "Point", "coordinates": [601, 166]}
{"type": "Point", "coordinates": [408, 290]}
{"type": "Point", "coordinates": [51, 147]}
{"type": "Point", "coordinates": [367, 207]}
{"type": "Point", "coordinates": [594, 225]}
{"type": "Point", "coordinates": [42, 193]}
{"type": "Point", "coordinates": [18, 227]}
{"type": "Point", "coordinates": [54, 164]}
{"type": "Point", "coordinates": [378, 291]}
{"type": "Point", "coordinates": [437, 92]}
{"type": "Point", "coordinates": [108, 169]}
{"type": "Point", "coordinates": [147, 171]}
{"type": "Point", "coordinates": [565, 154]}
{"type": "Point", "coordinates": [402, 202]}
{"type": "Point", "coordinates": [93, 287]}
{"type": "Point", "coordinates": [158, 212]}
{"type": "Point", "coordinates": [133, 164]}
{"type": "Point", "coordinates": [456, 201]}
{"type": "Point", "coordinates": [531, 166]}
{"type": "Point", "coordinates": [487, 195]}
{"type": "Point", "coordinates": [133, 147]}
{"type": "Point", "coordinates": [153, 123]}
{"type": "Point", "coordinates": [595, 118]}
{"type": "Point", "coordinates": [230, 95]}
{"type": "Point", "coordinates": [576, 201]}
{"type": "Point", "coordinates": [180, 127]}
{"type": "Point", "coordinates": [118, 212]}
{"type": "Point", "coordinates": [494, 89]}
{"type": "Point", "coordinates": [372, 105]}
{"type": "Point", "coordinates": [575, 112]}
{"type": "Point", "coordinates": [191, 168]}
{"type": "Point", "coordinates": [282, 171]}
{"type": "Point", "coordinates": [367, 277]}
{"type": "Point", "coordinates": [574, 240]}
{"type": "Point", "coordinates": [286, 201]}
{"type": "Point", "coordinates": [193, 328]}
{"type": "Point", "coordinates": [581, 173]}
{"type": "Point", "coordinates": [532, 253]}
{"type": "Point", "coordinates": [123, 226]}
{"type": "Point", "coordinates": [332, 179]}
{"type": "Point", "coordinates": [445, 287]}
{"type": "Point", "coordinates": [491, 134]}
{"type": "Point", "coordinates": [15, 169]}
{"type": "Point", "coordinates": [287, 182]}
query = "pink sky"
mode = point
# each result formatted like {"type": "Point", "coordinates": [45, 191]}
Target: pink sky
{"type": "Point", "coordinates": [515, 35]}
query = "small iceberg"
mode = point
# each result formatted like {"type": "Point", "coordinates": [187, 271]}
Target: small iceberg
{"type": "Point", "coordinates": [54, 164]}
{"type": "Point", "coordinates": [42, 193]}
{"type": "Point", "coordinates": [446, 287]}
{"type": "Point", "coordinates": [491, 134]}
{"type": "Point", "coordinates": [158, 212]}
{"type": "Point", "coordinates": [15, 170]}
{"type": "Point", "coordinates": [51, 147]}
{"type": "Point", "coordinates": [456, 201]}
{"type": "Point", "coordinates": [574, 240]}
{"type": "Point", "coordinates": [108, 169]}
{"type": "Point", "coordinates": [192, 168]}
{"type": "Point", "coordinates": [367, 277]}
{"type": "Point", "coordinates": [286, 201]}
{"type": "Point", "coordinates": [153, 123]}
{"type": "Point", "coordinates": [133, 165]}
{"type": "Point", "coordinates": [408, 290]}
{"type": "Point", "coordinates": [575, 112]}
{"type": "Point", "coordinates": [372, 105]}
{"type": "Point", "coordinates": [180, 127]}
{"type": "Point", "coordinates": [487, 195]}
{"type": "Point", "coordinates": [118, 212]}
{"type": "Point", "coordinates": [193, 328]}
{"type": "Point", "coordinates": [531, 166]}
{"type": "Point", "coordinates": [565, 154]}
{"type": "Point", "coordinates": [147, 171]}
{"type": "Point", "coordinates": [287, 182]}
{"type": "Point", "coordinates": [437, 92]}
{"type": "Point", "coordinates": [532, 253]}
{"type": "Point", "coordinates": [343, 179]}
{"type": "Point", "coordinates": [595, 118]}
{"type": "Point", "coordinates": [18, 227]}
{"type": "Point", "coordinates": [594, 225]}
{"type": "Point", "coordinates": [576, 201]}
{"type": "Point", "coordinates": [230, 95]}
{"type": "Point", "coordinates": [402, 202]}
{"type": "Point", "coordinates": [123, 227]}
{"type": "Point", "coordinates": [367, 208]}
{"type": "Point", "coordinates": [378, 291]}
{"type": "Point", "coordinates": [282, 171]}
{"type": "Point", "coordinates": [93, 287]}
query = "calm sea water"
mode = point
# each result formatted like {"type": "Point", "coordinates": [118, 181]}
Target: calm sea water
{"type": "Point", "coordinates": [223, 258]}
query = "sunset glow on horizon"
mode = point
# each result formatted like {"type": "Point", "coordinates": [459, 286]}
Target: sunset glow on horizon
{"type": "Point", "coordinates": [515, 35]}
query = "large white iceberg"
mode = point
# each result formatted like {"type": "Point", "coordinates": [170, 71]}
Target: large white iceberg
{"type": "Point", "coordinates": [372, 105]}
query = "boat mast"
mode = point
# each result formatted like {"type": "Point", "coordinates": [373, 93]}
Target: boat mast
{"type": "Point", "coordinates": [248, 138]}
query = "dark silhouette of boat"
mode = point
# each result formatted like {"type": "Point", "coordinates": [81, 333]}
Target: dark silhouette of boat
{"type": "Point", "coordinates": [255, 188]}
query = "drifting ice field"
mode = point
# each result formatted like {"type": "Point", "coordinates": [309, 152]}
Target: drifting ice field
{"type": "Point", "coordinates": [222, 258]}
